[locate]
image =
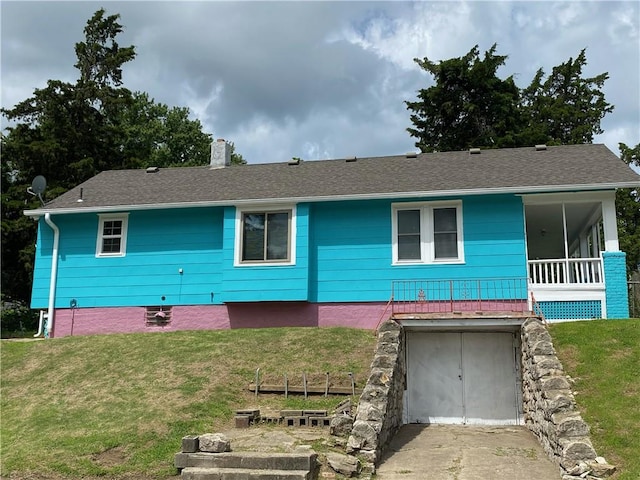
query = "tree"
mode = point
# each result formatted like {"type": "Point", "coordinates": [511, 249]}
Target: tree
{"type": "Point", "coordinates": [468, 106]}
{"type": "Point", "coordinates": [159, 136]}
{"type": "Point", "coordinates": [565, 109]}
{"type": "Point", "coordinates": [69, 132]}
{"type": "Point", "coordinates": [156, 135]}
{"type": "Point", "coordinates": [628, 212]}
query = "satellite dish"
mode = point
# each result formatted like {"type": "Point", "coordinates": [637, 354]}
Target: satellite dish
{"type": "Point", "coordinates": [38, 187]}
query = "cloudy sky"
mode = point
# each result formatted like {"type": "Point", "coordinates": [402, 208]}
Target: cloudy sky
{"type": "Point", "coordinates": [322, 79]}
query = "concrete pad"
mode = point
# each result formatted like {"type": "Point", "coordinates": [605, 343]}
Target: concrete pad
{"type": "Point", "coordinates": [462, 452]}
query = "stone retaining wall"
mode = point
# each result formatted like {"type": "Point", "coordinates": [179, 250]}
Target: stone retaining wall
{"type": "Point", "coordinates": [379, 414]}
{"type": "Point", "coordinates": [549, 406]}
{"type": "Point", "coordinates": [550, 410]}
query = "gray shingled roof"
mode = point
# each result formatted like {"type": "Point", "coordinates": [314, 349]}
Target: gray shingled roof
{"type": "Point", "coordinates": [521, 170]}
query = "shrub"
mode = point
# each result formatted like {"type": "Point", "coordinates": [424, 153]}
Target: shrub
{"type": "Point", "coordinates": [16, 317]}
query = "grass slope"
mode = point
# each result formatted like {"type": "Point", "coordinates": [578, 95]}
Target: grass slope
{"type": "Point", "coordinates": [603, 357]}
{"type": "Point", "coordinates": [119, 404]}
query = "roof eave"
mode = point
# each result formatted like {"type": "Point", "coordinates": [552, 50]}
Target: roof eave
{"type": "Point", "coordinates": [333, 198]}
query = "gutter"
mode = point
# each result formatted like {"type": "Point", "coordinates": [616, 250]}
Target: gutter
{"type": "Point", "coordinates": [54, 275]}
{"type": "Point", "coordinates": [520, 190]}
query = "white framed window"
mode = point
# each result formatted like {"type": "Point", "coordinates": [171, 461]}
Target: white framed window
{"type": "Point", "coordinates": [112, 235]}
{"type": "Point", "coordinates": [427, 232]}
{"type": "Point", "coordinates": [265, 236]}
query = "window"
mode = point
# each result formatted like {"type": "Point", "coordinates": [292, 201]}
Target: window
{"type": "Point", "coordinates": [265, 236]}
{"type": "Point", "coordinates": [112, 235]}
{"type": "Point", "coordinates": [427, 232]}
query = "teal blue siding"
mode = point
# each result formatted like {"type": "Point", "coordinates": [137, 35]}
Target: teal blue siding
{"type": "Point", "coordinates": [617, 293]}
{"type": "Point", "coordinates": [257, 283]}
{"type": "Point", "coordinates": [159, 243]}
{"type": "Point", "coordinates": [351, 248]}
{"type": "Point", "coordinates": [343, 254]}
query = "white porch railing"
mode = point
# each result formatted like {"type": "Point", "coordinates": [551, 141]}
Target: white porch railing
{"type": "Point", "coordinates": [580, 271]}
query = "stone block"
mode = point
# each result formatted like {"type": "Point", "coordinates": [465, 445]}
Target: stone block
{"type": "Point", "coordinates": [554, 383]}
{"type": "Point", "coordinates": [253, 413]}
{"type": "Point", "coordinates": [291, 413]}
{"type": "Point", "coordinates": [384, 361]}
{"type": "Point", "coordinates": [531, 322]}
{"type": "Point", "coordinates": [214, 443]}
{"type": "Point", "coordinates": [363, 437]}
{"type": "Point", "coordinates": [577, 449]}
{"type": "Point", "coordinates": [600, 468]}
{"type": "Point", "coordinates": [190, 443]}
{"type": "Point", "coordinates": [389, 326]}
{"type": "Point", "coordinates": [346, 465]}
{"type": "Point", "coordinates": [547, 361]}
{"type": "Point", "coordinates": [319, 421]}
{"type": "Point", "coordinates": [388, 337]}
{"type": "Point", "coordinates": [547, 372]}
{"type": "Point", "coordinates": [300, 421]}
{"type": "Point", "coordinates": [537, 334]}
{"type": "Point", "coordinates": [387, 349]}
{"type": "Point", "coordinates": [542, 348]}
{"type": "Point", "coordinates": [181, 460]}
{"type": "Point", "coordinates": [242, 421]}
{"type": "Point", "coordinates": [341, 425]}
{"type": "Point", "coordinates": [370, 456]}
{"type": "Point", "coordinates": [314, 413]}
{"type": "Point", "coordinates": [572, 427]}
{"type": "Point", "coordinates": [370, 412]}
{"type": "Point", "coordinates": [371, 393]}
{"type": "Point", "coordinates": [271, 419]}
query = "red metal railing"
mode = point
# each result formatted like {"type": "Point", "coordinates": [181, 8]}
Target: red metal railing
{"type": "Point", "coordinates": [470, 295]}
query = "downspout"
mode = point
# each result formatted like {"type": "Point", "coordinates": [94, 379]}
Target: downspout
{"type": "Point", "coordinates": [54, 275]}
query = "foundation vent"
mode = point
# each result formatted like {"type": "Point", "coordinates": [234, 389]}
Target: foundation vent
{"type": "Point", "coordinates": [158, 315]}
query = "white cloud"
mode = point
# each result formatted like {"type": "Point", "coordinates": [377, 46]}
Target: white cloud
{"type": "Point", "coordinates": [322, 79]}
{"type": "Point", "coordinates": [624, 25]}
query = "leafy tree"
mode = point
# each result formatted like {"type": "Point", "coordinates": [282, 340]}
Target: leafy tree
{"type": "Point", "coordinates": [628, 212]}
{"type": "Point", "coordinates": [564, 109]}
{"type": "Point", "coordinates": [156, 135]}
{"type": "Point", "coordinates": [69, 132]}
{"type": "Point", "coordinates": [468, 106]}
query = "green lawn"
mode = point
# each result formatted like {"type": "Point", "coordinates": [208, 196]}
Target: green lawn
{"type": "Point", "coordinates": [116, 405]}
{"type": "Point", "coordinates": [603, 357]}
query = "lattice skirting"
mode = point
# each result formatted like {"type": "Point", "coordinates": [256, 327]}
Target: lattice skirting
{"type": "Point", "coordinates": [571, 310]}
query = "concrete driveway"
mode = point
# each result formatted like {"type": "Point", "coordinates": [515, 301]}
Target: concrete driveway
{"type": "Point", "coordinates": [460, 452]}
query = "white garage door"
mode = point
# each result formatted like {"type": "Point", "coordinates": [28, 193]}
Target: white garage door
{"type": "Point", "coordinates": [462, 378]}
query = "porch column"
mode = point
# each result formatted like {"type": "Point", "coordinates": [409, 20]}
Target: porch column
{"type": "Point", "coordinates": [615, 276]}
{"type": "Point", "coordinates": [609, 224]}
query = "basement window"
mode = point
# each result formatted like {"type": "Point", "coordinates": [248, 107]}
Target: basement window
{"type": "Point", "coordinates": [112, 235]}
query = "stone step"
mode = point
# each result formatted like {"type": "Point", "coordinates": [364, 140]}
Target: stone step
{"type": "Point", "coordinates": [200, 473]}
{"type": "Point", "coordinates": [248, 460]}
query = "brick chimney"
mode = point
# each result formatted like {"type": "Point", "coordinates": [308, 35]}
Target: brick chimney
{"type": "Point", "coordinates": [220, 154]}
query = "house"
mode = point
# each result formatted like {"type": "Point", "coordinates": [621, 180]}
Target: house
{"type": "Point", "coordinates": [335, 242]}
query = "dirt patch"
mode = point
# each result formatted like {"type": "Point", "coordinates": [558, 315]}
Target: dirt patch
{"type": "Point", "coordinates": [110, 458]}
{"type": "Point", "coordinates": [569, 356]}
